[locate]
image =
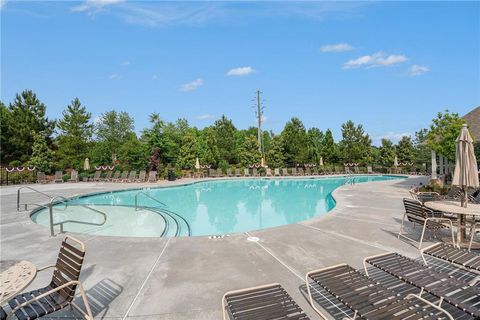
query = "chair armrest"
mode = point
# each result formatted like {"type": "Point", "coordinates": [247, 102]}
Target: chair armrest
{"type": "Point", "coordinates": [46, 267]}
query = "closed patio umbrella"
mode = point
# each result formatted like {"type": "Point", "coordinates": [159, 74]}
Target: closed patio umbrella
{"type": "Point", "coordinates": [466, 170]}
{"type": "Point", "coordinates": [395, 162]}
{"type": "Point", "coordinates": [86, 164]}
{"type": "Point", "coordinates": [197, 164]}
{"type": "Point", "coordinates": [321, 161]}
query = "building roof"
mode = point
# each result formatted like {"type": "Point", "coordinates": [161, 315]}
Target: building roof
{"type": "Point", "coordinates": [473, 120]}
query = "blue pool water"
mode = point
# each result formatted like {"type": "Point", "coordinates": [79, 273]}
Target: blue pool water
{"type": "Point", "coordinates": [204, 208]}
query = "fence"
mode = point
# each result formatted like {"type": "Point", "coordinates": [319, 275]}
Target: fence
{"type": "Point", "coordinates": [17, 175]}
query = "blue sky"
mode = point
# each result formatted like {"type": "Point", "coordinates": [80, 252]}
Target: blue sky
{"type": "Point", "coordinates": [388, 65]}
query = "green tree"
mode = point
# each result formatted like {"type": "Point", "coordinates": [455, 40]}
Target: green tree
{"type": "Point", "coordinates": [314, 145]}
{"type": "Point", "coordinates": [113, 129]}
{"type": "Point", "coordinates": [5, 134]}
{"type": "Point", "coordinates": [42, 156]}
{"type": "Point", "coordinates": [133, 154]}
{"type": "Point", "coordinates": [443, 133]}
{"type": "Point", "coordinates": [225, 134]}
{"type": "Point", "coordinates": [329, 148]}
{"type": "Point", "coordinates": [275, 155]}
{"type": "Point", "coordinates": [188, 151]}
{"type": "Point", "coordinates": [405, 150]}
{"type": "Point", "coordinates": [422, 152]}
{"type": "Point", "coordinates": [209, 154]}
{"type": "Point", "coordinates": [294, 139]}
{"type": "Point", "coordinates": [356, 144]}
{"type": "Point", "coordinates": [27, 117]}
{"type": "Point", "coordinates": [249, 153]}
{"type": "Point", "coordinates": [75, 134]}
{"type": "Point", "coordinates": [386, 153]}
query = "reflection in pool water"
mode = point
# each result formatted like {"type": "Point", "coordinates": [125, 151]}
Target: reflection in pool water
{"type": "Point", "coordinates": [209, 208]}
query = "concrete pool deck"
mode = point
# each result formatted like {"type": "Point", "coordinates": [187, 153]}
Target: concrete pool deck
{"type": "Point", "coordinates": [185, 278]}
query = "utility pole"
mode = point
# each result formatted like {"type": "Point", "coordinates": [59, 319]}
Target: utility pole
{"type": "Point", "coordinates": [259, 106]}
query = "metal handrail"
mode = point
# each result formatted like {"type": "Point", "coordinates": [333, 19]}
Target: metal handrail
{"type": "Point", "coordinates": [148, 196]}
{"type": "Point", "coordinates": [186, 223]}
{"type": "Point", "coordinates": [53, 201]}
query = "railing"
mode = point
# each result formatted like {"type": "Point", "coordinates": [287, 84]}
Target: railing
{"type": "Point", "coordinates": [171, 214]}
{"type": "Point", "coordinates": [54, 200]}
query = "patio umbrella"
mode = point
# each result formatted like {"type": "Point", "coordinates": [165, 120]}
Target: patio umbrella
{"type": "Point", "coordinates": [321, 161]}
{"type": "Point", "coordinates": [197, 164]}
{"type": "Point", "coordinates": [395, 162]}
{"type": "Point", "coordinates": [466, 170]}
{"type": "Point", "coordinates": [86, 164]}
{"type": "Point", "coordinates": [262, 164]}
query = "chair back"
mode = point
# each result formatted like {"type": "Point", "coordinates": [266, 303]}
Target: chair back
{"type": "Point", "coordinates": [246, 171]}
{"type": "Point", "coordinates": [97, 175]}
{"type": "Point", "coordinates": [294, 171]}
{"type": "Point", "coordinates": [152, 176]}
{"type": "Point", "coordinates": [308, 172]}
{"type": "Point", "coordinates": [415, 211]}
{"type": "Point", "coordinates": [269, 172]}
{"type": "Point", "coordinates": [74, 175]}
{"type": "Point", "coordinates": [133, 175]}
{"type": "Point", "coordinates": [237, 172]}
{"type": "Point", "coordinates": [229, 172]}
{"type": "Point", "coordinates": [254, 172]}
{"type": "Point", "coordinates": [58, 175]}
{"type": "Point", "coordinates": [68, 266]}
{"type": "Point", "coordinates": [109, 175]}
{"type": "Point", "coordinates": [41, 176]}
{"type": "Point", "coordinates": [116, 175]}
{"type": "Point", "coordinates": [124, 175]}
{"type": "Point", "coordinates": [219, 172]}
{"type": "Point", "coordinates": [300, 171]}
{"type": "Point", "coordinates": [141, 175]}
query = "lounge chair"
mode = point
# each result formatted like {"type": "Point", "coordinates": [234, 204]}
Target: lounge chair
{"type": "Point", "coordinates": [276, 172]}
{"type": "Point", "coordinates": [132, 176]}
{"type": "Point", "coordinates": [268, 172]}
{"type": "Point", "coordinates": [294, 171]}
{"type": "Point", "coordinates": [308, 172]}
{"type": "Point", "coordinates": [369, 170]}
{"type": "Point", "coordinates": [152, 176]}
{"type": "Point", "coordinates": [246, 172]}
{"type": "Point", "coordinates": [264, 302]}
{"type": "Point", "coordinates": [41, 177]}
{"type": "Point", "coordinates": [141, 176]}
{"type": "Point", "coordinates": [368, 299]}
{"type": "Point", "coordinates": [73, 176]}
{"type": "Point", "coordinates": [212, 173]}
{"type": "Point", "coordinates": [116, 176]}
{"type": "Point", "coordinates": [254, 172]}
{"type": "Point", "coordinates": [237, 172]}
{"type": "Point", "coordinates": [461, 257]}
{"type": "Point", "coordinates": [97, 176]}
{"type": "Point", "coordinates": [229, 172]}
{"type": "Point", "coordinates": [356, 170]}
{"type": "Point", "coordinates": [454, 291]}
{"type": "Point", "coordinates": [60, 293]}
{"type": "Point", "coordinates": [284, 172]}
{"type": "Point", "coordinates": [123, 177]}
{"type": "Point", "coordinates": [416, 213]}
{"type": "Point", "coordinates": [108, 176]}
{"type": "Point", "coordinates": [219, 172]}
{"type": "Point", "coordinates": [300, 172]}
{"type": "Point", "coordinates": [58, 176]}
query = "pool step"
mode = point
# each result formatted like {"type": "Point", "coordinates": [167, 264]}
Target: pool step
{"type": "Point", "coordinates": [176, 225]}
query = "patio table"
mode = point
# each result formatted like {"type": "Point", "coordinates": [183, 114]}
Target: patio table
{"type": "Point", "coordinates": [455, 207]}
{"type": "Point", "coordinates": [15, 275]}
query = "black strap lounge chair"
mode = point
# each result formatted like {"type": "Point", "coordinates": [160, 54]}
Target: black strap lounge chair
{"type": "Point", "coordinates": [141, 176]}
{"type": "Point", "coordinates": [284, 172]}
{"type": "Point", "coordinates": [461, 257]}
{"type": "Point", "coordinates": [266, 302]}
{"type": "Point", "coordinates": [60, 293]}
{"type": "Point", "coordinates": [116, 176]}
{"type": "Point", "coordinates": [237, 172]}
{"type": "Point", "coordinates": [416, 213]}
{"type": "Point", "coordinates": [73, 176]}
{"type": "Point", "coordinates": [454, 291]}
{"type": "Point", "coordinates": [108, 177]}
{"type": "Point", "coordinates": [152, 176]}
{"type": "Point", "coordinates": [368, 299]}
{"type": "Point", "coordinates": [246, 172]}
{"type": "Point", "coordinates": [229, 172]}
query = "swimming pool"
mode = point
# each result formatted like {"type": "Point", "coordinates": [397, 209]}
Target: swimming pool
{"type": "Point", "coordinates": [203, 208]}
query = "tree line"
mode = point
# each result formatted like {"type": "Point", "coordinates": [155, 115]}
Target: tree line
{"type": "Point", "coordinates": [28, 137]}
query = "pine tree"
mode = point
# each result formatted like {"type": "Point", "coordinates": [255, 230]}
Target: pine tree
{"type": "Point", "coordinates": [42, 156]}
{"type": "Point", "coordinates": [75, 134]}
{"type": "Point", "coordinates": [226, 141]}
{"type": "Point", "coordinates": [386, 153]}
{"type": "Point", "coordinates": [275, 156]}
{"type": "Point", "coordinates": [188, 151]}
{"type": "Point", "coordinates": [294, 139]}
{"type": "Point", "coordinates": [249, 153]}
{"type": "Point", "coordinates": [356, 144]}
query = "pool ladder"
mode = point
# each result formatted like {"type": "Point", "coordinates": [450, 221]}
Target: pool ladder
{"type": "Point", "coordinates": [54, 200]}
{"type": "Point", "coordinates": [167, 215]}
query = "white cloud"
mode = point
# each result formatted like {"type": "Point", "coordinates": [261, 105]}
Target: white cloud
{"type": "Point", "coordinates": [154, 77]}
{"type": "Point", "coordinates": [378, 59]}
{"type": "Point", "coordinates": [205, 117]}
{"type": "Point", "coordinates": [240, 71]}
{"type": "Point", "coordinates": [92, 6]}
{"type": "Point", "coordinates": [115, 76]}
{"type": "Point", "coordinates": [394, 136]}
{"type": "Point", "coordinates": [339, 47]}
{"type": "Point", "coordinates": [125, 63]}
{"type": "Point", "coordinates": [192, 85]}
{"type": "Point", "coordinates": [417, 70]}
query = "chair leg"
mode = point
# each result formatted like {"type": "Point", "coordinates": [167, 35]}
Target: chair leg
{"type": "Point", "coordinates": [421, 237]}
{"type": "Point", "coordinates": [472, 235]}
{"type": "Point", "coordinates": [401, 226]}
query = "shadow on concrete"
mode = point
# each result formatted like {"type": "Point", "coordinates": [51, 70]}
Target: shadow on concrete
{"type": "Point", "coordinates": [326, 302]}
